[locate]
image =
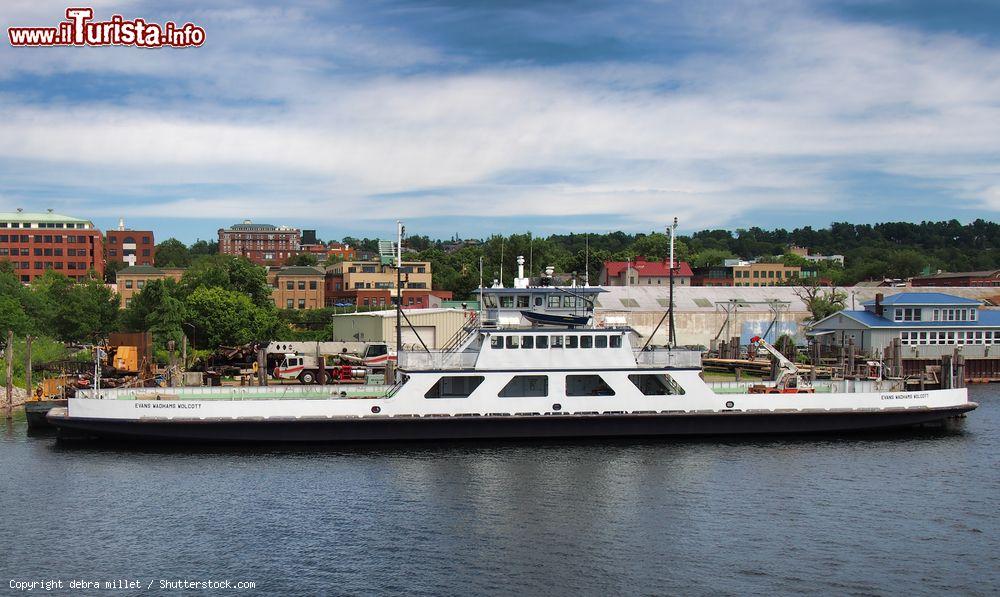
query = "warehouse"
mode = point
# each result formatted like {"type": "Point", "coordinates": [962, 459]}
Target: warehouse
{"type": "Point", "coordinates": [433, 326]}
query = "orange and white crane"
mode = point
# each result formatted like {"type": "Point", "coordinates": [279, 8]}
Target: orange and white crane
{"type": "Point", "coordinates": [788, 379]}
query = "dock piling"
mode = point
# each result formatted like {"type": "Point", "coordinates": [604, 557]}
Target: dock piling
{"type": "Point", "coordinates": [9, 405]}
{"type": "Point", "coordinates": [27, 366]}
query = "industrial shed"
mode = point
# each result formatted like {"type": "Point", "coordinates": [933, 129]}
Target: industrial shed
{"type": "Point", "coordinates": [434, 326]}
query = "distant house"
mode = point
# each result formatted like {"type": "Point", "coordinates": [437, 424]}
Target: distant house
{"type": "Point", "coordinates": [130, 281]}
{"type": "Point", "coordinates": [959, 279]}
{"type": "Point", "coordinates": [932, 321]}
{"type": "Point", "coordinates": [804, 253]}
{"type": "Point", "coordinates": [644, 273]}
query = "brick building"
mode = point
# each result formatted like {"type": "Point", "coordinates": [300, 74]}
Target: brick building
{"type": "Point", "coordinates": [131, 247]}
{"type": "Point", "coordinates": [959, 279]}
{"type": "Point", "coordinates": [715, 275]}
{"type": "Point", "coordinates": [131, 280]}
{"type": "Point", "coordinates": [767, 274]}
{"type": "Point", "coordinates": [297, 287]}
{"type": "Point", "coordinates": [263, 244]}
{"type": "Point", "coordinates": [641, 272]}
{"type": "Point", "coordinates": [36, 242]}
{"type": "Point", "coordinates": [373, 284]}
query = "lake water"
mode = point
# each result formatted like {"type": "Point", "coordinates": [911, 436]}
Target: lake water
{"type": "Point", "coordinates": [901, 514]}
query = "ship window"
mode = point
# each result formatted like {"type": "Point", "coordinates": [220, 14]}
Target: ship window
{"type": "Point", "coordinates": [569, 302]}
{"type": "Point", "coordinates": [601, 342]}
{"type": "Point", "coordinates": [455, 386]}
{"type": "Point", "coordinates": [522, 301]}
{"type": "Point", "coordinates": [655, 384]}
{"type": "Point", "coordinates": [542, 342]}
{"type": "Point", "coordinates": [587, 385]}
{"type": "Point", "coordinates": [496, 342]}
{"type": "Point", "coordinates": [526, 386]}
{"type": "Point", "coordinates": [557, 341]}
{"type": "Point", "coordinates": [506, 302]}
{"type": "Point", "coordinates": [512, 341]}
{"type": "Point", "coordinates": [616, 341]}
{"type": "Point", "coordinates": [490, 301]}
{"type": "Point", "coordinates": [527, 342]}
{"type": "Point", "coordinates": [554, 301]}
{"type": "Point", "coordinates": [586, 341]}
{"type": "Point", "coordinates": [572, 341]}
{"type": "Point", "coordinates": [538, 301]}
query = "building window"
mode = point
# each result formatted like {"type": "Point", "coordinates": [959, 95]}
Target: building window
{"type": "Point", "coordinates": [290, 304]}
{"type": "Point", "coordinates": [302, 285]}
{"type": "Point", "coordinates": [128, 283]}
{"type": "Point", "coordinates": [312, 285]}
{"type": "Point", "coordinates": [302, 303]}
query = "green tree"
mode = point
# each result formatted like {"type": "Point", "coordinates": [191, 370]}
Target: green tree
{"type": "Point", "coordinates": [225, 317]}
{"type": "Point", "coordinates": [234, 273]}
{"type": "Point", "coordinates": [710, 257]}
{"type": "Point", "coordinates": [306, 259]}
{"type": "Point", "coordinates": [172, 253]}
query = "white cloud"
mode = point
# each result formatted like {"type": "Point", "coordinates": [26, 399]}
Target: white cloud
{"type": "Point", "coordinates": [708, 137]}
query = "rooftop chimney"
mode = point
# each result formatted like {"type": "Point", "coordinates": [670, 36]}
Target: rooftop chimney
{"type": "Point", "coordinates": [879, 309]}
{"type": "Point", "coordinates": [121, 223]}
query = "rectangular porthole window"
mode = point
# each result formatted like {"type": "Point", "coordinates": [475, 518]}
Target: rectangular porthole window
{"type": "Point", "coordinates": [496, 342]}
{"type": "Point", "coordinates": [586, 341]}
{"type": "Point", "coordinates": [527, 342]}
{"type": "Point", "coordinates": [601, 342]}
{"type": "Point", "coordinates": [513, 341]}
{"type": "Point", "coordinates": [542, 342]}
{"type": "Point", "coordinates": [572, 341]}
{"type": "Point", "coordinates": [587, 385]}
{"type": "Point", "coordinates": [615, 341]}
{"type": "Point", "coordinates": [456, 386]}
{"type": "Point", "coordinates": [526, 386]}
{"type": "Point", "coordinates": [557, 341]}
{"type": "Point", "coordinates": [655, 384]}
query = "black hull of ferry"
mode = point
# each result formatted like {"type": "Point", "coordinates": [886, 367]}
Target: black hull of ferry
{"type": "Point", "coordinates": [378, 429]}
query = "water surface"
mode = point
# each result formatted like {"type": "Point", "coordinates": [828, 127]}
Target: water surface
{"type": "Point", "coordinates": [899, 514]}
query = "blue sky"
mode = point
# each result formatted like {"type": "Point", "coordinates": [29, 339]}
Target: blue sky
{"type": "Point", "coordinates": [473, 118]}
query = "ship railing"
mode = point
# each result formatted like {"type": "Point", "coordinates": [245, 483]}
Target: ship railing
{"type": "Point", "coordinates": [437, 359]}
{"type": "Point", "coordinates": [659, 358]}
{"type": "Point", "coordinates": [272, 392]}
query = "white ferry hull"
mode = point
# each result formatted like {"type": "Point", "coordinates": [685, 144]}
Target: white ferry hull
{"type": "Point", "coordinates": [472, 427]}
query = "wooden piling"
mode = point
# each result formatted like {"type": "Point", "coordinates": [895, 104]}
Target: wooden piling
{"type": "Point", "coordinates": [172, 364]}
{"type": "Point", "coordinates": [947, 374]}
{"type": "Point", "coordinates": [850, 357]}
{"type": "Point", "coordinates": [321, 378]}
{"type": "Point", "coordinates": [9, 405]}
{"type": "Point", "coordinates": [27, 367]}
{"type": "Point", "coordinates": [261, 366]}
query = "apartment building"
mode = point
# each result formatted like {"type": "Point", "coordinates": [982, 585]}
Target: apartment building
{"type": "Point", "coordinates": [131, 280]}
{"type": "Point", "coordinates": [767, 274]}
{"type": "Point", "coordinates": [131, 247]}
{"type": "Point", "coordinates": [297, 287]}
{"type": "Point", "coordinates": [373, 283]}
{"type": "Point", "coordinates": [36, 242]}
{"type": "Point", "coordinates": [263, 244]}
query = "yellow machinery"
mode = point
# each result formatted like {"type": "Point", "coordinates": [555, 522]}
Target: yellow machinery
{"type": "Point", "coordinates": [126, 358]}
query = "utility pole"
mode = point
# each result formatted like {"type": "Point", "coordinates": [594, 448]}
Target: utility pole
{"type": "Point", "coordinates": [399, 281]}
{"type": "Point", "coordinates": [672, 338]}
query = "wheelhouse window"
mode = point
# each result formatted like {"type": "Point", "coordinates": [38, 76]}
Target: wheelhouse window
{"type": "Point", "coordinates": [655, 384]}
{"type": "Point", "coordinates": [587, 385]}
{"type": "Point", "coordinates": [601, 342]}
{"type": "Point", "coordinates": [522, 301]}
{"type": "Point", "coordinates": [569, 302]}
{"type": "Point", "coordinates": [496, 342]}
{"type": "Point", "coordinates": [506, 302]}
{"type": "Point", "coordinates": [615, 341]}
{"type": "Point", "coordinates": [554, 301]}
{"type": "Point", "coordinates": [455, 386]}
{"type": "Point", "coordinates": [526, 386]}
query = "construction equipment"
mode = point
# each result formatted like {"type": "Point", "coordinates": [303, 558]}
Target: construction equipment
{"type": "Point", "coordinates": [305, 368]}
{"type": "Point", "coordinates": [788, 380]}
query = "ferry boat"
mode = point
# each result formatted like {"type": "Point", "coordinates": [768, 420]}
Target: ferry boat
{"type": "Point", "coordinates": [510, 377]}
